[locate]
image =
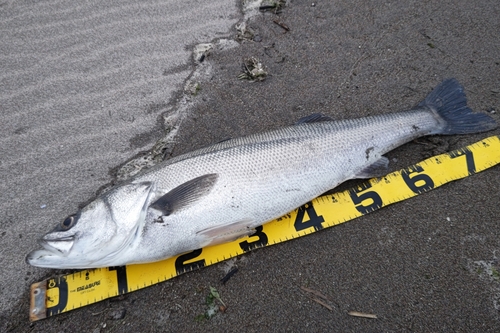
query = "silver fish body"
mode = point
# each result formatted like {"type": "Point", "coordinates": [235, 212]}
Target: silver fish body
{"type": "Point", "coordinates": [222, 192]}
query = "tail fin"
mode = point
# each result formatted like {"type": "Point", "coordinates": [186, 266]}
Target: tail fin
{"type": "Point", "coordinates": [449, 101]}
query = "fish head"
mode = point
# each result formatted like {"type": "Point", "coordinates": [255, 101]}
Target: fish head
{"type": "Point", "coordinates": [99, 234]}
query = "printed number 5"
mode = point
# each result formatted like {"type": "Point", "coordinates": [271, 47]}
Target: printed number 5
{"type": "Point", "coordinates": [358, 198]}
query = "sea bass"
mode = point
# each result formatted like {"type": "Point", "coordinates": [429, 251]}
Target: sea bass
{"type": "Point", "coordinates": [222, 192]}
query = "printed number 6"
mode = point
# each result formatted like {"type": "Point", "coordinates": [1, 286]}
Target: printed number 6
{"type": "Point", "coordinates": [426, 182]}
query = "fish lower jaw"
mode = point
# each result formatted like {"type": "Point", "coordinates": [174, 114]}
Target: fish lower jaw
{"type": "Point", "coordinates": [46, 259]}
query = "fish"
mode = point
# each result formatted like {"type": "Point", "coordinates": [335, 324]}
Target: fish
{"type": "Point", "coordinates": [224, 191]}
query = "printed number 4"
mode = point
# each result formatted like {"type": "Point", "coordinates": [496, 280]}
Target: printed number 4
{"type": "Point", "coordinates": [315, 220]}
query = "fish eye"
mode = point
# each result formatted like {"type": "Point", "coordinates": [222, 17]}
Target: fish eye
{"type": "Point", "coordinates": [68, 223]}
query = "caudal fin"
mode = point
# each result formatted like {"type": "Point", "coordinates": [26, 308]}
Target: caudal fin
{"type": "Point", "coordinates": [449, 101]}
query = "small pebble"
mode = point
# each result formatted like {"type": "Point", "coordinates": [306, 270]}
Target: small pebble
{"type": "Point", "coordinates": [117, 314]}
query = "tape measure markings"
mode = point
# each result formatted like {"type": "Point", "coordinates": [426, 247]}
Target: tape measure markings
{"type": "Point", "coordinates": [82, 288]}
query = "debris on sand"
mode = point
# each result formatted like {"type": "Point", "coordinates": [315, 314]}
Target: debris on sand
{"type": "Point", "coordinates": [246, 33]}
{"type": "Point", "coordinates": [253, 70]}
{"type": "Point", "coordinates": [361, 314]}
{"type": "Point", "coordinates": [229, 275]}
{"type": "Point", "coordinates": [272, 5]}
{"type": "Point", "coordinates": [213, 307]}
{"type": "Point", "coordinates": [322, 301]}
{"type": "Point", "coordinates": [282, 24]}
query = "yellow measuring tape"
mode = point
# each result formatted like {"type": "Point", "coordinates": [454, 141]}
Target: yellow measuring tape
{"type": "Point", "coordinates": [72, 291]}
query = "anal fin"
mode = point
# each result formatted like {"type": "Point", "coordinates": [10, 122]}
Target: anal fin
{"type": "Point", "coordinates": [376, 169]}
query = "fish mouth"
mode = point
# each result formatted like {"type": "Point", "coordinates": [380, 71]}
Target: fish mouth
{"type": "Point", "coordinates": [52, 251]}
{"type": "Point", "coordinates": [37, 257]}
{"type": "Point", "coordinates": [50, 259]}
{"type": "Point", "coordinates": [60, 246]}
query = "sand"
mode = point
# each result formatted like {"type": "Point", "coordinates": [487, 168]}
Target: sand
{"type": "Point", "coordinates": [87, 87]}
{"type": "Point", "coordinates": [83, 89]}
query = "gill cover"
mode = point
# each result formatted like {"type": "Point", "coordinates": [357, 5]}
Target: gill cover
{"type": "Point", "coordinates": [97, 234]}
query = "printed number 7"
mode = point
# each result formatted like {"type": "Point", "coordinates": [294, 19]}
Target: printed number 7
{"type": "Point", "coordinates": [469, 159]}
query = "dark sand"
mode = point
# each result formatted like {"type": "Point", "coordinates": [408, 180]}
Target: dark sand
{"type": "Point", "coordinates": [421, 265]}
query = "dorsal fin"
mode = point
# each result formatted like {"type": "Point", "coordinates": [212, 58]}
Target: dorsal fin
{"type": "Point", "coordinates": [313, 118]}
{"type": "Point", "coordinates": [224, 140]}
{"type": "Point", "coordinates": [185, 194]}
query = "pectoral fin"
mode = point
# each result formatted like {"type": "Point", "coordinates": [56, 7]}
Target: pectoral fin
{"type": "Point", "coordinates": [185, 194]}
{"type": "Point", "coordinates": [227, 232]}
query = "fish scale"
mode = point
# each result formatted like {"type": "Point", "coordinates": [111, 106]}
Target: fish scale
{"type": "Point", "coordinates": [273, 173]}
